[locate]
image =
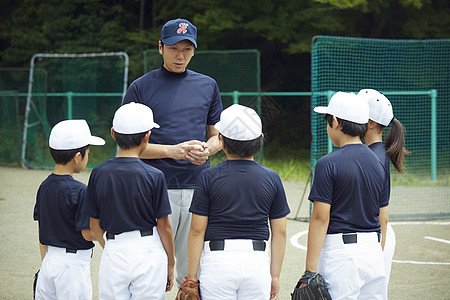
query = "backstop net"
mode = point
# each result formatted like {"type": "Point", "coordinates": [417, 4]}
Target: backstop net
{"type": "Point", "coordinates": [234, 70]}
{"type": "Point", "coordinates": [13, 88]}
{"type": "Point", "coordinates": [72, 86]}
{"type": "Point", "coordinates": [415, 76]}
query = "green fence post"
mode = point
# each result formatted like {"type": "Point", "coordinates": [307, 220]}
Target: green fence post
{"type": "Point", "coordinates": [433, 94]}
{"type": "Point", "coordinates": [69, 105]}
{"type": "Point", "coordinates": [236, 97]}
{"type": "Point", "coordinates": [330, 143]}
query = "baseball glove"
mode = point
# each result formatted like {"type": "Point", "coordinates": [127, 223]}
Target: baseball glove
{"type": "Point", "coordinates": [316, 288]}
{"type": "Point", "coordinates": [34, 283]}
{"type": "Point", "coordinates": [189, 290]}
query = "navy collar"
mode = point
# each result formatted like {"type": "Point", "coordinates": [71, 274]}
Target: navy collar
{"type": "Point", "coordinates": [173, 74]}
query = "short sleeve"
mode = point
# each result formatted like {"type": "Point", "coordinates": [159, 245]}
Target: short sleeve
{"type": "Point", "coordinates": [216, 106]}
{"type": "Point", "coordinates": [200, 199]}
{"type": "Point", "coordinates": [279, 207]}
{"type": "Point", "coordinates": [82, 220]}
{"type": "Point", "coordinates": [322, 188]}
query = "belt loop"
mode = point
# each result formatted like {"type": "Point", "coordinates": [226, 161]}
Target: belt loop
{"type": "Point", "coordinates": [146, 232]}
{"type": "Point", "coordinates": [350, 238]}
{"type": "Point", "coordinates": [110, 236]}
{"type": "Point", "coordinates": [217, 245]}
{"type": "Point", "coordinates": [379, 237]}
{"type": "Point", "coordinates": [71, 251]}
{"type": "Point", "coordinates": [259, 245]}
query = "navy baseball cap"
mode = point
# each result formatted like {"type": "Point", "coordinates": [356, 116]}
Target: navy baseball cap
{"type": "Point", "coordinates": [178, 30]}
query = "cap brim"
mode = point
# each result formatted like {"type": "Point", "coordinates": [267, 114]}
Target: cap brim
{"type": "Point", "coordinates": [97, 141]}
{"type": "Point", "coordinates": [217, 126]}
{"type": "Point", "coordinates": [175, 39]}
{"type": "Point", "coordinates": [321, 109]}
{"type": "Point", "coordinates": [155, 125]}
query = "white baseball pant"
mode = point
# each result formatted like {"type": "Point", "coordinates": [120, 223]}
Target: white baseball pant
{"type": "Point", "coordinates": [389, 250]}
{"type": "Point", "coordinates": [237, 272]}
{"type": "Point", "coordinates": [65, 275]}
{"type": "Point", "coordinates": [354, 268]}
{"type": "Point", "coordinates": [133, 267]}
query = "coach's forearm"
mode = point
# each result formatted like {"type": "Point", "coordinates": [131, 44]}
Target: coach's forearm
{"type": "Point", "coordinates": [214, 145]}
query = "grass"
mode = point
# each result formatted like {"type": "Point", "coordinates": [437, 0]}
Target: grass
{"type": "Point", "coordinates": [289, 164]}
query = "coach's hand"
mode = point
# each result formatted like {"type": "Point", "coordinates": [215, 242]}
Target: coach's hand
{"type": "Point", "coordinates": [180, 151]}
{"type": "Point", "coordinates": [199, 156]}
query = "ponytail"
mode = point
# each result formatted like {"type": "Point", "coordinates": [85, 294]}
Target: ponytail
{"type": "Point", "coordinates": [395, 141]}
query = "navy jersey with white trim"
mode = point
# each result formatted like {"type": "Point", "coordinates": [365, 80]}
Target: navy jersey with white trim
{"type": "Point", "coordinates": [126, 194]}
{"type": "Point", "coordinates": [58, 210]}
{"type": "Point", "coordinates": [352, 180]}
{"type": "Point", "coordinates": [379, 149]}
{"type": "Point", "coordinates": [183, 105]}
{"type": "Point", "coordinates": [238, 197]}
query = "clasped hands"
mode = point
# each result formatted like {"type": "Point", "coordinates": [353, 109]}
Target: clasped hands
{"type": "Point", "coordinates": [195, 151]}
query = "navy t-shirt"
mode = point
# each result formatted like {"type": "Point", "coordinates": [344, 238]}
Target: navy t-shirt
{"type": "Point", "coordinates": [238, 197]}
{"type": "Point", "coordinates": [58, 210]}
{"type": "Point", "coordinates": [380, 151]}
{"type": "Point", "coordinates": [183, 104]}
{"type": "Point", "coordinates": [350, 179]}
{"type": "Point", "coordinates": [126, 194]}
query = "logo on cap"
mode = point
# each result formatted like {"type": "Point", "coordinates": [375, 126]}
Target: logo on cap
{"type": "Point", "coordinates": [183, 28]}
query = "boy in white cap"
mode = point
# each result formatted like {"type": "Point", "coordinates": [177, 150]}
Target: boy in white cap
{"type": "Point", "coordinates": [344, 230]}
{"type": "Point", "coordinates": [381, 115]}
{"type": "Point", "coordinates": [234, 202]}
{"type": "Point", "coordinates": [65, 238]}
{"type": "Point", "coordinates": [129, 207]}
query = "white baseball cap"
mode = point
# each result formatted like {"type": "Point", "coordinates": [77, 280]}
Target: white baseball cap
{"type": "Point", "coordinates": [240, 123]}
{"type": "Point", "coordinates": [133, 118]}
{"type": "Point", "coordinates": [346, 106]}
{"type": "Point", "coordinates": [72, 134]}
{"type": "Point", "coordinates": [380, 108]}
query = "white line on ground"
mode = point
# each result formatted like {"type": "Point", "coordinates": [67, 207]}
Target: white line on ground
{"type": "Point", "coordinates": [295, 237]}
{"type": "Point", "coordinates": [436, 239]}
{"type": "Point", "coordinates": [420, 223]}
{"type": "Point", "coordinates": [420, 262]}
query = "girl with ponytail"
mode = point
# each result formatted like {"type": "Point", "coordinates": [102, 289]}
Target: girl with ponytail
{"type": "Point", "coordinates": [381, 116]}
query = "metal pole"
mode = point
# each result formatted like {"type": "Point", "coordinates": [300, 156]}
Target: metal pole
{"type": "Point", "coordinates": [236, 97]}
{"type": "Point", "coordinates": [433, 94]}
{"type": "Point", "coordinates": [69, 105]}
{"type": "Point", "coordinates": [330, 143]}
{"type": "Point", "coordinates": [27, 112]}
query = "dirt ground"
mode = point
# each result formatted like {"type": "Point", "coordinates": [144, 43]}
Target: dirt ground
{"type": "Point", "coordinates": [420, 270]}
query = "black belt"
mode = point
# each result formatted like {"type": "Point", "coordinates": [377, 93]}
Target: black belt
{"type": "Point", "coordinates": [352, 238]}
{"type": "Point", "coordinates": [220, 245]}
{"type": "Point", "coordinates": [111, 236]}
{"type": "Point", "coordinates": [74, 251]}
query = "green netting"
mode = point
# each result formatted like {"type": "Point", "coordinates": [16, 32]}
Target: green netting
{"type": "Point", "coordinates": [415, 76]}
{"type": "Point", "coordinates": [72, 86]}
{"type": "Point", "coordinates": [234, 70]}
{"type": "Point", "coordinates": [13, 87]}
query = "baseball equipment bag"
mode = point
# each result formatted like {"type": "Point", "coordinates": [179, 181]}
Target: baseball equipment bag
{"type": "Point", "coordinates": [189, 290]}
{"type": "Point", "coordinates": [34, 283]}
{"type": "Point", "coordinates": [316, 288]}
